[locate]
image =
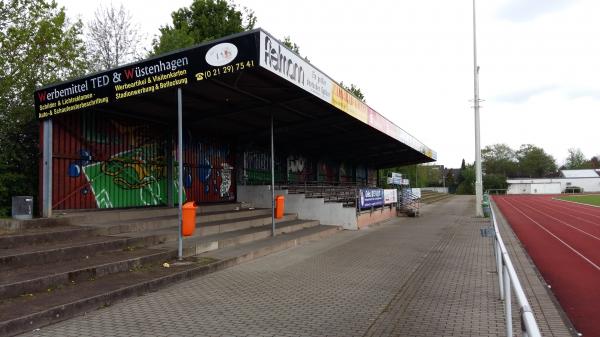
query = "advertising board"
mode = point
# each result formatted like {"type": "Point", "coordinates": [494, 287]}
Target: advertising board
{"type": "Point", "coordinates": [371, 197]}
{"type": "Point", "coordinates": [390, 196]}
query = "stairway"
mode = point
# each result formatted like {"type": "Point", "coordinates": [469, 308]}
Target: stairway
{"type": "Point", "coordinates": [429, 197]}
{"type": "Point", "coordinates": [53, 270]}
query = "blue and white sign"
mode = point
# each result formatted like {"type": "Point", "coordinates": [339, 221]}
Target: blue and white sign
{"type": "Point", "coordinates": [371, 197]}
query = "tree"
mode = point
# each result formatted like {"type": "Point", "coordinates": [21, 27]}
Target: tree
{"type": "Point", "coordinates": [355, 90]}
{"type": "Point", "coordinates": [534, 162]}
{"type": "Point", "coordinates": [112, 38]}
{"type": "Point", "coordinates": [467, 185]}
{"type": "Point", "coordinates": [499, 159]}
{"type": "Point", "coordinates": [287, 41]}
{"type": "Point", "coordinates": [576, 160]}
{"type": "Point", "coordinates": [494, 182]}
{"type": "Point", "coordinates": [39, 46]}
{"type": "Point", "coordinates": [204, 20]}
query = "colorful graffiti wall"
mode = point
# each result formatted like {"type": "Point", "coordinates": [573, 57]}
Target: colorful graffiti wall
{"type": "Point", "coordinates": [102, 161]}
{"type": "Point", "coordinates": [299, 169]}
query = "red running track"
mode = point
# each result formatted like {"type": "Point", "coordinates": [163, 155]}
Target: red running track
{"type": "Point", "coordinates": [563, 239]}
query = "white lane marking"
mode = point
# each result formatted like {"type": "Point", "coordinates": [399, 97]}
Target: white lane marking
{"type": "Point", "coordinates": [556, 237]}
{"type": "Point", "coordinates": [576, 209]}
{"type": "Point", "coordinates": [566, 224]}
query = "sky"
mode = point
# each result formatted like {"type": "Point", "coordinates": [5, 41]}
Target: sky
{"type": "Point", "coordinates": [413, 60]}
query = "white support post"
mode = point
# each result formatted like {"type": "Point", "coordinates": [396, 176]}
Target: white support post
{"type": "Point", "coordinates": [478, 174]}
{"type": "Point", "coordinates": [47, 169]}
{"type": "Point", "coordinates": [507, 302]}
{"type": "Point", "coordinates": [499, 269]}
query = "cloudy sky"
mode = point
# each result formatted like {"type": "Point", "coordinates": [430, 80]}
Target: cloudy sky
{"type": "Point", "coordinates": [539, 63]}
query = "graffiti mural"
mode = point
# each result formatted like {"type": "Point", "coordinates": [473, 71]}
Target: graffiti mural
{"type": "Point", "coordinates": [103, 161]}
{"type": "Point", "coordinates": [298, 169]}
{"type": "Point", "coordinates": [327, 171]}
{"type": "Point", "coordinates": [209, 169]}
{"type": "Point", "coordinates": [346, 173]}
{"type": "Point", "coordinates": [372, 177]}
{"type": "Point", "coordinates": [257, 168]}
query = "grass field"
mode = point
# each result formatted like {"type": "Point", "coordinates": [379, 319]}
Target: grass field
{"type": "Point", "coordinates": [592, 199]}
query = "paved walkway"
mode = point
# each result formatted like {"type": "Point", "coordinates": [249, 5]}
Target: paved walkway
{"type": "Point", "coordinates": [427, 276]}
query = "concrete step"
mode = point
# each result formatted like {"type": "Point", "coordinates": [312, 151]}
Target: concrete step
{"type": "Point", "coordinates": [66, 250]}
{"type": "Point", "coordinates": [26, 313]}
{"type": "Point", "coordinates": [434, 198]}
{"type": "Point", "coordinates": [171, 234]}
{"type": "Point", "coordinates": [201, 244]}
{"type": "Point", "coordinates": [116, 215]}
{"type": "Point", "coordinates": [167, 221]}
{"type": "Point", "coordinates": [31, 279]}
{"type": "Point", "coordinates": [33, 236]}
{"type": "Point", "coordinates": [252, 250]}
{"type": "Point", "coordinates": [8, 226]}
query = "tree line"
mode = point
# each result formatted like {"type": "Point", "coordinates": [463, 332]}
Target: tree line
{"type": "Point", "coordinates": [500, 162]}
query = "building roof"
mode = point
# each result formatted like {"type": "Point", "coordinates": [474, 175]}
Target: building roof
{"type": "Point", "coordinates": [591, 173]}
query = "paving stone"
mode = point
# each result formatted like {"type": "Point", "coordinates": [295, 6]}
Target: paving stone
{"type": "Point", "coordinates": [428, 276]}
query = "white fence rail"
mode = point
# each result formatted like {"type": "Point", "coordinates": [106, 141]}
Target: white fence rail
{"type": "Point", "coordinates": [507, 277]}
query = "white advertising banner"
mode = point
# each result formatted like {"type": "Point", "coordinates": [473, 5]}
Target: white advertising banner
{"type": "Point", "coordinates": [390, 196]}
{"type": "Point", "coordinates": [279, 60]}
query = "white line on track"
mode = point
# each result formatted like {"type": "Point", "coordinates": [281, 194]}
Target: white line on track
{"type": "Point", "coordinates": [576, 209]}
{"type": "Point", "coordinates": [556, 237]}
{"type": "Point", "coordinates": [566, 224]}
{"type": "Point", "coordinates": [548, 205]}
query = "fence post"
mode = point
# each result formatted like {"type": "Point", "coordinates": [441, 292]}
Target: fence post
{"type": "Point", "coordinates": [507, 302]}
{"type": "Point", "coordinates": [499, 269]}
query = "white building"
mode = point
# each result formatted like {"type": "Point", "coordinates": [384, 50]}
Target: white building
{"type": "Point", "coordinates": [585, 180]}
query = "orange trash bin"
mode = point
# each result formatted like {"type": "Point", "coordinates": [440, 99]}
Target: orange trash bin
{"type": "Point", "coordinates": [279, 206]}
{"type": "Point", "coordinates": [188, 218]}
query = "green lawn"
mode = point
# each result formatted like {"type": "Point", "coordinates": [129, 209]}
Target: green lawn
{"type": "Point", "coordinates": [593, 199]}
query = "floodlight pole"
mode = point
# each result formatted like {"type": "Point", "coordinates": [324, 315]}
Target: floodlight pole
{"type": "Point", "coordinates": [272, 179]}
{"type": "Point", "coordinates": [478, 175]}
{"type": "Point", "coordinates": [180, 170]}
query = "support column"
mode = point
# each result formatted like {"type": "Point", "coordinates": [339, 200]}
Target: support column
{"type": "Point", "coordinates": [170, 167]}
{"type": "Point", "coordinates": [478, 174]}
{"type": "Point", "coordinates": [180, 169]}
{"type": "Point", "coordinates": [47, 169]}
{"type": "Point", "coordinates": [272, 179]}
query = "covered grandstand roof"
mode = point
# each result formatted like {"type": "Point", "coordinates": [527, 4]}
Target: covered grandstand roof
{"type": "Point", "coordinates": [231, 88]}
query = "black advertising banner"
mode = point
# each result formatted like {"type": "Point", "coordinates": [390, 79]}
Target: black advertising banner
{"type": "Point", "coordinates": [174, 70]}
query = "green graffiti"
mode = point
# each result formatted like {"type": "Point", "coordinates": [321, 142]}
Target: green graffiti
{"type": "Point", "coordinates": [131, 179]}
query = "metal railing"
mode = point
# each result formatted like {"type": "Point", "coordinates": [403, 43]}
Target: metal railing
{"type": "Point", "coordinates": [408, 203]}
{"type": "Point", "coordinates": [342, 192]}
{"type": "Point", "coordinates": [507, 276]}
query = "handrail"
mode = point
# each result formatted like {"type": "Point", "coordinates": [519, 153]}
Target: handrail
{"type": "Point", "coordinates": [507, 276]}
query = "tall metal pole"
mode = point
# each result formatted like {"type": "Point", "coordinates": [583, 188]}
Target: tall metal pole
{"type": "Point", "coordinates": [478, 175]}
{"type": "Point", "coordinates": [272, 180]}
{"type": "Point", "coordinates": [180, 169]}
{"type": "Point", "coordinates": [47, 169]}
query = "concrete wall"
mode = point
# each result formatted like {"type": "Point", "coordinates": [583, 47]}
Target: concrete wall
{"type": "Point", "coordinates": [330, 213]}
{"type": "Point", "coordinates": [368, 218]}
